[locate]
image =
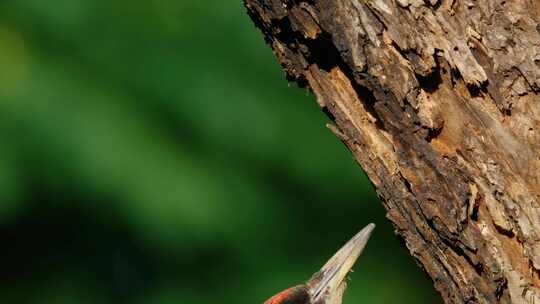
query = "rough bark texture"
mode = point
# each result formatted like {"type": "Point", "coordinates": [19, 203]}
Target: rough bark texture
{"type": "Point", "coordinates": [439, 101]}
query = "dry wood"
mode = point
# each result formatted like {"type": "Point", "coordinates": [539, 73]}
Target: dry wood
{"type": "Point", "coordinates": [438, 100]}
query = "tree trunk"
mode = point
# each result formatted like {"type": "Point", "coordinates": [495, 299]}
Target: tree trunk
{"type": "Point", "coordinates": [439, 101]}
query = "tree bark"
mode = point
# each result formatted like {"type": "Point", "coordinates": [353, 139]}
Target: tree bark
{"type": "Point", "coordinates": [439, 102]}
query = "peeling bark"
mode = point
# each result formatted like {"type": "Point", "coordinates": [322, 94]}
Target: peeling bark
{"type": "Point", "coordinates": [439, 102]}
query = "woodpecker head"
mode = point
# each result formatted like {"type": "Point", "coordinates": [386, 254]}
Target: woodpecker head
{"type": "Point", "coordinates": [328, 284]}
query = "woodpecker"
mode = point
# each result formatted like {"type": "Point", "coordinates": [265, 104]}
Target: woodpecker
{"type": "Point", "coordinates": [327, 285]}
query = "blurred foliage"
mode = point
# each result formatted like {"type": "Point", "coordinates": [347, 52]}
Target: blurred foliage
{"type": "Point", "coordinates": [152, 152]}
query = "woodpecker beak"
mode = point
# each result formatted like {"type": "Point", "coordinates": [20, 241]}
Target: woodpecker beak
{"type": "Point", "coordinates": [328, 284]}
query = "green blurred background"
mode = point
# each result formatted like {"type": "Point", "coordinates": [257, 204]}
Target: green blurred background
{"type": "Point", "coordinates": [152, 152]}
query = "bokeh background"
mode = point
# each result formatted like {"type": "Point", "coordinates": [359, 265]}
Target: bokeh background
{"type": "Point", "coordinates": [152, 152]}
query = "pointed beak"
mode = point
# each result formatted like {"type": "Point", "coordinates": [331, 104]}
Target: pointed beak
{"type": "Point", "coordinates": [330, 281]}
